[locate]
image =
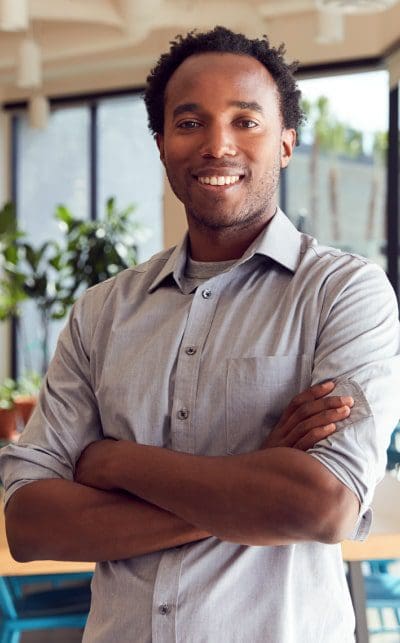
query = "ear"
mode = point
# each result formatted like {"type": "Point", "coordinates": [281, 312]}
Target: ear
{"type": "Point", "coordinates": [288, 142]}
{"type": "Point", "coordinates": [160, 145]}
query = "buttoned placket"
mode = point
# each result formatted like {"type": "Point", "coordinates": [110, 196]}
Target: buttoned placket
{"type": "Point", "coordinates": [183, 438]}
{"type": "Point", "coordinates": [200, 318]}
{"type": "Point", "coordinates": [165, 596]}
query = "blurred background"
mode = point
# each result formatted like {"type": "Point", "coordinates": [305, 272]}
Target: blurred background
{"type": "Point", "coordinates": [73, 127]}
{"type": "Point", "coordinates": [83, 193]}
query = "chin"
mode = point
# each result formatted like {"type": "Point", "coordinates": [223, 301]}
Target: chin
{"type": "Point", "coordinates": [216, 221]}
{"type": "Point", "coordinates": [227, 218]}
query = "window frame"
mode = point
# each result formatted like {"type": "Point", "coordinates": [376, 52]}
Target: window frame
{"type": "Point", "coordinates": [393, 161]}
{"type": "Point", "coordinates": [91, 101]}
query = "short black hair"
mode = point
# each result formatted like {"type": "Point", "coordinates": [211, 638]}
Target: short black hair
{"type": "Point", "coordinates": [224, 40]}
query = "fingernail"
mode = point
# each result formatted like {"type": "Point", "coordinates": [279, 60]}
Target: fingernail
{"type": "Point", "coordinates": [343, 409]}
{"type": "Point", "coordinates": [328, 385]}
{"type": "Point", "coordinates": [347, 400]}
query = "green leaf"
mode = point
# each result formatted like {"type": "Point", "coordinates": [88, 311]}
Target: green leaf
{"type": "Point", "coordinates": [64, 215]}
{"type": "Point", "coordinates": [31, 256]}
{"type": "Point", "coordinates": [110, 206]}
{"type": "Point", "coordinates": [8, 220]}
{"type": "Point", "coordinates": [11, 254]}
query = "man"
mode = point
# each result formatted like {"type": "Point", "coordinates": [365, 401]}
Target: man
{"type": "Point", "coordinates": [156, 446]}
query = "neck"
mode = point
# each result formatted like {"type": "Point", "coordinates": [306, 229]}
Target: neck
{"type": "Point", "coordinates": [223, 244]}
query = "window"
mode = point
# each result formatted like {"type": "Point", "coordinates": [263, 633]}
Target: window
{"type": "Point", "coordinates": [336, 182]}
{"type": "Point", "coordinates": [88, 153]}
{"type": "Point", "coordinates": [129, 167]}
{"type": "Point", "coordinates": [52, 168]}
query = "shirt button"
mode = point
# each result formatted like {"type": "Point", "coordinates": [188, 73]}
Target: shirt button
{"type": "Point", "coordinates": [164, 609]}
{"type": "Point", "coordinates": [206, 293]}
{"type": "Point", "coordinates": [191, 350]}
{"type": "Point", "coordinates": [183, 414]}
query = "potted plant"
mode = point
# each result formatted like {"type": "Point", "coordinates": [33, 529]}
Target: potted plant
{"type": "Point", "coordinates": [17, 401]}
{"type": "Point", "coordinates": [11, 279]}
{"type": "Point", "coordinates": [53, 274]}
{"type": "Point", "coordinates": [25, 395]}
{"type": "Point", "coordinates": [8, 417]}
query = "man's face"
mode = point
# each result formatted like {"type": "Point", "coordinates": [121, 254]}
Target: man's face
{"type": "Point", "coordinates": [224, 143]}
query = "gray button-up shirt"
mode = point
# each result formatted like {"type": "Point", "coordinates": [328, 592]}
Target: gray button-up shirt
{"type": "Point", "coordinates": [209, 372]}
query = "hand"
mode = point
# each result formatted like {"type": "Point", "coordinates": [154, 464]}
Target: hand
{"type": "Point", "coordinates": [94, 467]}
{"type": "Point", "coordinates": [310, 417]}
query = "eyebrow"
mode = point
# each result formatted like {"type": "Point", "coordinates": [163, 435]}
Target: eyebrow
{"type": "Point", "coordinates": [253, 105]}
{"type": "Point", "coordinates": [186, 107]}
{"type": "Point", "coordinates": [196, 107]}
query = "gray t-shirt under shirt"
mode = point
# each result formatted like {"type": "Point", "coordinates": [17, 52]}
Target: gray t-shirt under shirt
{"type": "Point", "coordinates": [196, 272]}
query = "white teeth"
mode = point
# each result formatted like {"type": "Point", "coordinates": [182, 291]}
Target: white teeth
{"type": "Point", "coordinates": [218, 180]}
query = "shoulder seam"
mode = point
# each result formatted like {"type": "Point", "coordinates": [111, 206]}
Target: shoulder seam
{"type": "Point", "coordinates": [341, 253]}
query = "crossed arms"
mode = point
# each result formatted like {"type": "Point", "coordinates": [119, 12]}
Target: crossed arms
{"type": "Point", "coordinates": [129, 499]}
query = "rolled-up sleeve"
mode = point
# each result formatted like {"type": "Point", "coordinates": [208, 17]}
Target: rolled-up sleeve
{"type": "Point", "coordinates": [66, 417]}
{"type": "Point", "coordinates": [359, 347]}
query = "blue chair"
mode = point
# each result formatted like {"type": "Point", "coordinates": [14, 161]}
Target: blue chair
{"type": "Point", "coordinates": [382, 592]}
{"type": "Point", "coordinates": [20, 583]}
{"type": "Point", "coordinates": [393, 451]}
{"type": "Point", "coordinates": [379, 565]}
{"type": "Point", "coordinates": [61, 606]}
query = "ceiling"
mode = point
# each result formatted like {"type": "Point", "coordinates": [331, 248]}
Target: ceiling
{"type": "Point", "coordinates": [95, 45]}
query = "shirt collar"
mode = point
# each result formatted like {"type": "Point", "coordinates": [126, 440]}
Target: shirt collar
{"type": "Point", "coordinates": [279, 241]}
{"type": "Point", "coordinates": [175, 265]}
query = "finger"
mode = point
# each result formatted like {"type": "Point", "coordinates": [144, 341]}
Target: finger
{"type": "Point", "coordinates": [320, 419]}
{"type": "Point", "coordinates": [312, 393]}
{"type": "Point", "coordinates": [321, 414]}
{"type": "Point", "coordinates": [314, 436]}
{"type": "Point", "coordinates": [311, 409]}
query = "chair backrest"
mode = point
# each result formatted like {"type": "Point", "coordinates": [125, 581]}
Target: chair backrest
{"type": "Point", "coordinates": [7, 599]}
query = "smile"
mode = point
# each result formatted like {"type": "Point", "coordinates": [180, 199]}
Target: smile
{"type": "Point", "coordinates": [218, 180]}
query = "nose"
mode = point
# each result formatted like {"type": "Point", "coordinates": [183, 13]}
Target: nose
{"type": "Point", "coordinates": [218, 142]}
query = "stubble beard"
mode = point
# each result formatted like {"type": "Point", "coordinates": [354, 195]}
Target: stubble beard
{"type": "Point", "coordinates": [260, 204]}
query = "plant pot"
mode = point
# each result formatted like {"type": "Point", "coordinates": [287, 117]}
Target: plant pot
{"type": "Point", "coordinates": [24, 405]}
{"type": "Point", "coordinates": [8, 423]}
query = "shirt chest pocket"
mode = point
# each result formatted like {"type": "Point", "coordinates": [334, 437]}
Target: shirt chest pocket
{"type": "Point", "coordinates": [258, 389]}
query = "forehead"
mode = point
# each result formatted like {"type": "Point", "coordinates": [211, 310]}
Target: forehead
{"type": "Point", "coordinates": [221, 77]}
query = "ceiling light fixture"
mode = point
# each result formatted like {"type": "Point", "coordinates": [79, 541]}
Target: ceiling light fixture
{"type": "Point", "coordinates": [330, 27]}
{"type": "Point", "coordinates": [29, 70]}
{"type": "Point", "coordinates": [14, 15]}
{"type": "Point", "coordinates": [38, 111]}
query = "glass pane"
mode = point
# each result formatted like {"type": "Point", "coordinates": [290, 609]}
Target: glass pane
{"type": "Point", "coordinates": [336, 182]}
{"type": "Point", "coordinates": [52, 168]}
{"type": "Point", "coordinates": [129, 167]}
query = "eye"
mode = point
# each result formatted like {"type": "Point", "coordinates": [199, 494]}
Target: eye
{"type": "Point", "coordinates": [247, 123]}
{"type": "Point", "coordinates": [189, 124]}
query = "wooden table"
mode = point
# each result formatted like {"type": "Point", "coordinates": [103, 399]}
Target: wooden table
{"type": "Point", "coordinates": [383, 542]}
